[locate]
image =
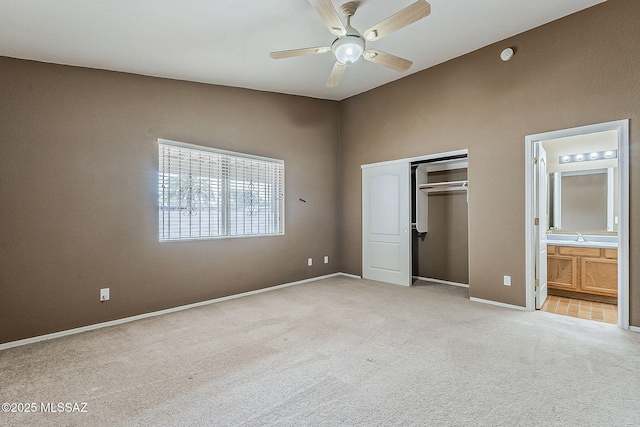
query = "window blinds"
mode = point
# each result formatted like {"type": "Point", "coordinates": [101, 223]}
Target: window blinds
{"type": "Point", "coordinates": [206, 193]}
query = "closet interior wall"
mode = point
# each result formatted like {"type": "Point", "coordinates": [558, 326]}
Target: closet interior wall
{"type": "Point", "coordinates": [443, 252]}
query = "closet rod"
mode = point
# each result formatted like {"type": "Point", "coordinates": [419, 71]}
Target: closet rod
{"type": "Point", "coordinates": [444, 186]}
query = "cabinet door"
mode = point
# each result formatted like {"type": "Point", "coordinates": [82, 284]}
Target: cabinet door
{"type": "Point", "coordinates": [562, 272]}
{"type": "Point", "coordinates": [599, 276]}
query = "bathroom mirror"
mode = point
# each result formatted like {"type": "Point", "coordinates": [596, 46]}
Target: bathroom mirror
{"type": "Point", "coordinates": [583, 172]}
{"type": "Point", "coordinates": [582, 200]}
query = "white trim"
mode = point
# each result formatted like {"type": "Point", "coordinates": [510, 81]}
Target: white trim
{"type": "Point", "coordinates": [444, 282]}
{"type": "Point", "coordinates": [529, 209]}
{"type": "Point", "coordinates": [344, 274]}
{"type": "Point", "coordinates": [611, 188]}
{"type": "Point", "coordinates": [622, 127]}
{"type": "Point", "coordinates": [160, 312]}
{"type": "Point", "coordinates": [634, 329]}
{"type": "Point", "coordinates": [417, 159]}
{"type": "Point", "coordinates": [557, 200]}
{"type": "Point", "coordinates": [623, 224]}
{"type": "Point", "coordinates": [499, 304]}
{"type": "Point", "coordinates": [586, 172]}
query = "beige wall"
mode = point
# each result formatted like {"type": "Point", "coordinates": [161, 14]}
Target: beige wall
{"type": "Point", "coordinates": [579, 70]}
{"type": "Point", "coordinates": [78, 193]}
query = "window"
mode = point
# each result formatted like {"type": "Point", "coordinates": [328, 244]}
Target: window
{"type": "Point", "coordinates": [207, 193]}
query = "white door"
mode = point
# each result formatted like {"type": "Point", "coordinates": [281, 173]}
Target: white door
{"type": "Point", "coordinates": [541, 182]}
{"type": "Point", "coordinates": [386, 223]}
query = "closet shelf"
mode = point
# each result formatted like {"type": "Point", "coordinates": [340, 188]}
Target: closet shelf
{"type": "Point", "coordinates": [445, 186]}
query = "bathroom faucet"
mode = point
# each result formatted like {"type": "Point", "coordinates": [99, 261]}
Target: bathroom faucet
{"type": "Point", "coordinates": [580, 237]}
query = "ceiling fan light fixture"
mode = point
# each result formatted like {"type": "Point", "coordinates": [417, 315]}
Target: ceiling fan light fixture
{"type": "Point", "coordinates": [348, 49]}
{"type": "Point", "coordinates": [350, 44]}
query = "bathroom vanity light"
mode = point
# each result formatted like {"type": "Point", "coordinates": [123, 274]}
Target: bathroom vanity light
{"type": "Point", "coordinates": [585, 157]}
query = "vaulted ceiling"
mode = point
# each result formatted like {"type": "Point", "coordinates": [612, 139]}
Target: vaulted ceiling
{"type": "Point", "coordinates": [227, 42]}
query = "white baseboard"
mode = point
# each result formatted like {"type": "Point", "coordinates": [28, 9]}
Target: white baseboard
{"type": "Point", "coordinates": [499, 304]}
{"type": "Point", "coordinates": [634, 328]}
{"type": "Point", "coordinates": [347, 275]}
{"type": "Point", "coordinates": [160, 312]}
{"type": "Point", "coordinates": [444, 282]}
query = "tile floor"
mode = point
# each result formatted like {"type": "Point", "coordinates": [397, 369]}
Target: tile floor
{"type": "Point", "coordinates": [589, 310]}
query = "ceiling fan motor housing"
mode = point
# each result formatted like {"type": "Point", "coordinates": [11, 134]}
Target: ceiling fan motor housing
{"type": "Point", "coordinates": [349, 48]}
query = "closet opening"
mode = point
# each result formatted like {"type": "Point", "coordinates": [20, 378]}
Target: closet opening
{"type": "Point", "coordinates": [415, 220]}
{"type": "Point", "coordinates": [440, 221]}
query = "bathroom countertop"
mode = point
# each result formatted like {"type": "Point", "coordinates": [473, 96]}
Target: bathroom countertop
{"type": "Point", "coordinates": [590, 241]}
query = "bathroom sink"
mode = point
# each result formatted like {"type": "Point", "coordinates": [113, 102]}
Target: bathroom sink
{"type": "Point", "coordinates": [590, 241]}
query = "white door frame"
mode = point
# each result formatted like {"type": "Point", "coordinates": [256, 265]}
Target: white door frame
{"type": "Point", "coordinates": [622, 127]}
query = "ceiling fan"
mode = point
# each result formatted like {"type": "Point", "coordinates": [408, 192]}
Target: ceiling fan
{"type": "Point", "coordinates": [350, 45]}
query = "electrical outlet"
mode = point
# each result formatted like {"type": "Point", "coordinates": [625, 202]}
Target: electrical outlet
{"type": "Point", "coordinates": [507, 280]}
{"type": "Point", "coordinates": [104, 294]}
{"type": "Point", "coordinates": [326, 259]}
{"type": "Point", "coordinates": [310, 262]}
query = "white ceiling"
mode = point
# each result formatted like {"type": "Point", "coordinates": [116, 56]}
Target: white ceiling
{"type": "Point", "coordinates": [227, 42]}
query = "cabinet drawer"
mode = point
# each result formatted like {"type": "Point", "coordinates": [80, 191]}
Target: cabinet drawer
{"type": "Point", "coordinates": [578, 251]}
{"type": "Point", "coordinates": [551, 250]}
{"type": "Point", "coordinates": [611, 253]}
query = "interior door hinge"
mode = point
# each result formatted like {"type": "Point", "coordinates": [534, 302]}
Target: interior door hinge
{"type": "Point", "coordinates": [535, 160]}
{"type": "Point", "coordinates": [536, 221]}
{"type": "Point", "coordinates": [537, 283]}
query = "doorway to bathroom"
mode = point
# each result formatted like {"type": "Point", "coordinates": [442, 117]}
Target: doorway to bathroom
{"type": "Point", "coordinates": [577, 205]}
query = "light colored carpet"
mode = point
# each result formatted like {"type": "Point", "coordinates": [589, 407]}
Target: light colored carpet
{"type": "Point", "coordinates": [335, 352]}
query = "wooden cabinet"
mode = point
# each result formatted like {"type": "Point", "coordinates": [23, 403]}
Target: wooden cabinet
{"type": "Point", "coordinates": [562, 272]}
{"type": "Point", "coordinates": [599, 276]}
{"type": "Point", "coordinates": [586, 270]}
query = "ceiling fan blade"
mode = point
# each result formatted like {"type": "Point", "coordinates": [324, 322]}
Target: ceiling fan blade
{"type": "Point", "coordinates": [406, 16]}
{"type": "Point", "coordinates": [299, 52]}
{"type": "Point", "coordinates": [336, 74]}
{"type": "Point", "coordinates": [329, 16]}
{"type": "Point", "coordinates": [388, 60]}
